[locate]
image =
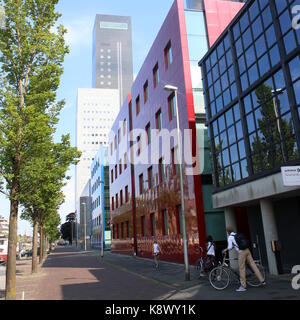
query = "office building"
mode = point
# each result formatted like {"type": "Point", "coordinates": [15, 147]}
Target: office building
{"type": "Point", "coordinates": [144, 175]}
{"type": "Point", "coordinates": [252, 84]}
{"type": "Point", "coordinates": [112, 54]}
{"type": "Point", "coordinates": [100, 199]}
{"type": "Point", "coordinates": [96, 112]}
{"type": "Point", "coordinates": [85, 223]}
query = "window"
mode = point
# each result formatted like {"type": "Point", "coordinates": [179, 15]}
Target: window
{"type": "Point", "coordinates": [115, 142]}
{"type": "Point", "coordinates": [150, 178]}
{"type": "Point", "coordinates": [126, 194]}
{"type": "Point", "coordinates": [141, 183]}
{"type": "Point", "coordinates": [120, 166]}
{"type": "Point", "coordinates": [146, 91]}
{"type": "Point", "coordinates": [111, 148]}
{"type": "Point", "coordinates": [168, 55]}
{"type": "Point", "coordinates": [119, 135]}
{"type": "Point", "coordinates": [121, 197]}
{"type": "Point", "coordinates": [117, 201]}
{"type": "Point", "coordinates": [137, 104]}
{"type": "Point", "coordinates": [122, 230]}
{"type": "Point", "coordinates": [153, 225]}
{"type": "Point", "coordinates": [172, 106]}
{"type": "Point", "coordinates": [158, 120]}
{"type": "Point", "coordinates": [127, 229]}
{"type": "Point", "coordinates": [148, 133]}
{"type": "Point", "coordinates": [155, 75]}
{"type": "Point", "coordinates": [112, 204]}
{"type": "Point", "coordinates": [161, 172]}
{"type": "Point", "coordinates": [143, 226]}
{"type": "Point", "coordinates": [138, 139]}
{"type": "Point", "coordinates": [125, 161]}
{"type": "Point", "coordinates": [174, 160]}
{"type": "Point", "coordinates": [116, 172]}
{"type": "Point", "coordinates": [124, 127]}
{"type": "Point", "coordinates": [165, 222]}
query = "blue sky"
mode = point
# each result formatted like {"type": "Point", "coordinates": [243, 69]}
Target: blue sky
{"type": "Point", "coordinates": [78, 17]}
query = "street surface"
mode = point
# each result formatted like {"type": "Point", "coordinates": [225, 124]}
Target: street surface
{"type": "Point", "coordinates": [69, 274]}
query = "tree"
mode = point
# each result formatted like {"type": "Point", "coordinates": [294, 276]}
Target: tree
{"type": "Point", "coordinates": [31, 55]}
{"type": "Point", "coordinates": [66, 230]}
{"type": "Point", "coordinates": [275, 142]}
{"type": "Point", "coordinates": [42, 182]}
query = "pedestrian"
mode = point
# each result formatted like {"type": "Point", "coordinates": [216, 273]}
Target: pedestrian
{"type": "Point", "coordinates": [156, 253]}
{"type": "Point", "coordinates": [244, 255]}
{"type": "Point", "coordinates": [209, 260]}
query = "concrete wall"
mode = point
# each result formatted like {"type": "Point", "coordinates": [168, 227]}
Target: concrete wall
{"type": "Point", "coordinates": [270, 186]}
{"type": "Point", "coordinates": [287, 214]}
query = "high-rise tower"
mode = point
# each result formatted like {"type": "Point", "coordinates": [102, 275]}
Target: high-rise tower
{"type": "Point", "coordinates": [112, 54]}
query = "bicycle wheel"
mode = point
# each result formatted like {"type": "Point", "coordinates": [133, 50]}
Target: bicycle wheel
{"type": "Point", "coordinates": [252, 280]}
{"type": "Point", "coordinates": [199, 264]}
{"type": "Point", "coordinates": [219, 278]}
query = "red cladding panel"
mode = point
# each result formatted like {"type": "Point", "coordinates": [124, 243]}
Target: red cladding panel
{"type": "Point", "coordinates": [218, 15]}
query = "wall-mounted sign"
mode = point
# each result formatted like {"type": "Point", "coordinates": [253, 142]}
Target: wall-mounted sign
{"type": "Point", "coordinates": [291, 176]}
{"type": "Point", "coordinates": [113, 25]}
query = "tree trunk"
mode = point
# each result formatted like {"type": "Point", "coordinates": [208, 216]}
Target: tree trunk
{"type": "Point", "coordinates": [34, 246]}
{"type": "Point", "coordinates": [45, 247]}
{"type": "Point", "coordinates": [12, 246]}
{"type": "Point", "coordinates": [41, 244]}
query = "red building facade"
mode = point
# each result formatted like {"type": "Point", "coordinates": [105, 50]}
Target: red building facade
{"type": "Point", "coordinates": [145, 193]}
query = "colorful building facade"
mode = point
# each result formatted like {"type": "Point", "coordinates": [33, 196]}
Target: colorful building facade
{"type": "Point", "coordinates": [144, 178]}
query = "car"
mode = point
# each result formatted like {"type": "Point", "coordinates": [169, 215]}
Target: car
{"type": "Point", "coordinates": [26, 253]}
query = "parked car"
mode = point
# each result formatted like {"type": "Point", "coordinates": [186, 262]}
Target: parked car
{"type": "Point", "coordinates": [26, 253]}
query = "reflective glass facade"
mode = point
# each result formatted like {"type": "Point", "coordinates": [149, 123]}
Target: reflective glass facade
{"type": "Point", "coordinates": [251, 79]}
{"type": "Point", "coordinates": [198, 46]}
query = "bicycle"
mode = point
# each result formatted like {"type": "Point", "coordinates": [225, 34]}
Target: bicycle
{"type": "Point", "coordinates": [220, 276]}
{"type": "Point", "coordinates": [200, 261]}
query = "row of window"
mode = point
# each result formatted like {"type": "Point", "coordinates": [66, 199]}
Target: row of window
{"type": "Point", "coordinates": [118, 139]}
{"type": "Point", "coordinates": [155, 73]}
{"type": "Point", "coordinates": [115, 200]}
{"type": "Point", "coordinates": [161, 173]}
{"type": "Point", "coordinates": [112, 175]}
{"type": "Point", "coordinates": [96, 203]}
{"type": "Point", "coordinates": [96, 222]}
{"type": "Point", "coordinates": [123, 233]}
{"type": "Point", "coordinates": [121, 230]}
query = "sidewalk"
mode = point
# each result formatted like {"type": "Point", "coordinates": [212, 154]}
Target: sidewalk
{"type": "Point", "coordinates": [169, 274]}
{"type": "Point", "coordinates": [26, 283]}
{"type": "Point", "coordinates": [172, 275]}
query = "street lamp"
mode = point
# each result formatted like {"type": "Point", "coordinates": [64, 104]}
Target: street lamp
{"type": "Point", "coordinates": [101, 222]}
{"type": "Point", "coordinates": [84, 217]}
{"type": "Point", "coordinates": [171, 88]}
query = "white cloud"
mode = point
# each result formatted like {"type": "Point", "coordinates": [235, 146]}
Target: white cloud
{"type": "Point", "coordinates": [79, 32]}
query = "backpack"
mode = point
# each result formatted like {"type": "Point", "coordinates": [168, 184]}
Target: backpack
{"type": "Point", "coordinates": [241, 241]}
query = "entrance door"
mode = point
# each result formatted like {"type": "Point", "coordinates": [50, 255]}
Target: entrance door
{"type": "Point", "coordinates": [257, 234]}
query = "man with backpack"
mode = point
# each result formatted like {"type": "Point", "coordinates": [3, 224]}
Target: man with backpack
{"type": "Point", "coordinates": [238, 242]}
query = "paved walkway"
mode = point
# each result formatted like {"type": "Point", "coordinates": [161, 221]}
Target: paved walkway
{"type": "Point", "coordinates": [70, 274]}
{"type": "Point", "coordinates": [2, 280]}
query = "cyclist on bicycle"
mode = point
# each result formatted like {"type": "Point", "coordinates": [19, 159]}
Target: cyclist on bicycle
{"type": "Point", "coordinates": [244, 255]}
{"type": "Point", "coordinates": [209, 260]}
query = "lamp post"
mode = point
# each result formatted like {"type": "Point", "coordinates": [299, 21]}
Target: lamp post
{"type": "Point", "coordinates": [102, 222]}
{"type": "Point", "coordinates": [84, 217]}
{"type": "Point", "coordinates": [173, 89]}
